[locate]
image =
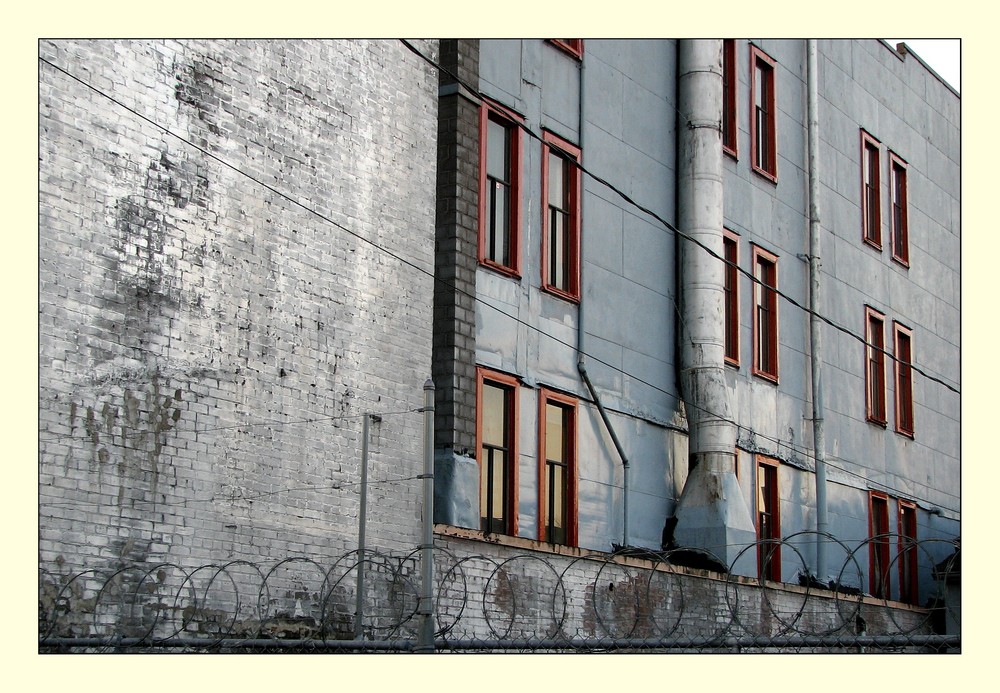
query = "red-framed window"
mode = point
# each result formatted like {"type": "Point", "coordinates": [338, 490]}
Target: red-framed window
{"type": "Point", "coordinates": [573, 47]}
{"type": "Point", "coordinates": [561, 188]}
{"type": "Point", "coordinates": [729, 101]}
{"type": "Point", "coordinates": [768, 520]}
{"type": "Point", "coordinates": [763, 114]}
{"type": "Point", "coordinates": [897, 212]}
{"type": "Point", "coordinates": [875, 366]}
{"type": "Point", "coordinates": [871, 198]}
{"type": "Point", "coordinates": [902, 337]}
{"type": "Point", "coordinates": [500, 189]}
{"type": "Point", "coordinates": [878, 544]}
{"type": "Point", "coordinates": [557, 471]}
{"type": "Point", "coordinates": [496, 438]}
{"type": "Point", "coordinates": [765, 314]}
{"type": "Point", "coordinates": [907, 558]}
{"type": "Point", "coordinates": [730, 247]}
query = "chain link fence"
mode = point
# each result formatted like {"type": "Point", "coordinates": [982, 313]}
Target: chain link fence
{"type": "Point", "coordinates": [507, 600]}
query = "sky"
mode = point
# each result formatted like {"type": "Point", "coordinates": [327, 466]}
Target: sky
{"type": "Point", "coordinates": [941, 54]}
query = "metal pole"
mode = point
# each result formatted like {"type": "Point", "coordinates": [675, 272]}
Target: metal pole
{"type": "Point", "coordinates": [360, 596]}
{"type": "Point", "coordinates": [625, 505]}
{"type": "Point", "coordinates": [815, 334]}
{"type": "Point", "coordinates": [425, 640]}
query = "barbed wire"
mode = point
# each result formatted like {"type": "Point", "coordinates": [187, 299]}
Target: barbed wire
{"type": "Point", "coordinates": [510, 600]}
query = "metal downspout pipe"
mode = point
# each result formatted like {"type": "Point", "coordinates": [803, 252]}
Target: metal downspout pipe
{"type": "Point", "coordinates": [581, 364]}
{"type": "Point", "coordinates": [425, 636]}
{"type": "Point", "coordinates": [700, 216]}
{"type": "Point", "coordinates": [815, 333]}
{"type": "Point", "coordinates": [711, 513]}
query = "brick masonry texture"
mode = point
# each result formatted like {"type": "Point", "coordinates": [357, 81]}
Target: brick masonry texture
{"type": "Point", "coordinates": [206, 345]}
{"type": "Point", "coordinates": [512, 593]}
{"type": "Point", "coordinates": [457, 243]}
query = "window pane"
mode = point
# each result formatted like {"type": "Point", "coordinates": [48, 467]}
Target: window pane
{"type": "Point", "coordinates": [876, 368]}
{"type": "Point", "coordinates": [493, 492]}
{"type": "Point", "coordinates": [898, 193]}
{"type": "Point", "coordinates": [497, 151]}
{"type": "Point", "coordinates": [761, 138]}
{"type": "Point", "coordinates": [904, 382]}
{"type": "Point", "coordinates": [554, 438]}
{"type": "Point", "coordinates": [557, 179]}
{"type": "Point", "coordinates": [759, 89]}
{"type": "Point", "coordinates": [766, 303]}
{"type": "Point", "coordinates": [880, 547]}
{"type": "Point", "coordinates": [499, 476]}
{"type": "Point", "coordinates": [493, 415]}
{"type": "Point", "coordinates": [558, 249]}
{"type": "Point", "coordinates": [768, 555]}
{"type": "Point", "coordinates": [728, 93]}
{"type": "Point", "coordinates": [499, 238]}
{"type": "Point", "coordinates": [731, 314]}
{"type": "Point", "coordinates": [558, 512]}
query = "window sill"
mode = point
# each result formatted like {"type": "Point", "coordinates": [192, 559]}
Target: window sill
{"type": "Point", "coordinates": [576, 54]}
{"type": "Point", "coordinates": [772, 177]}
{"type": "Point", "coordinates": [877, 245]}
{"type": "Point", "coordinates": [764, 375]}
{"type": "Point", "coordinates": [511, 541]}
{"type": "Point", "coordinates": [500, 269]}
{"type": "Point", "coordinates": [559, 293]}
{"type": "Point", "coordinates": [905, 264]}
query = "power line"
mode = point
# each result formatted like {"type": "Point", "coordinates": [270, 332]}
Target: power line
{"type": "Point", "coordinates": [250, 424]}
{"type": "Point", "coordinates": [386, 251]}
{"type": "Point", "coordinates": [236, 497]}
{"type": "Point", "coordinates": [674, 229]}
{"type": "Point", "coordinates": [422, 270]}
{"type": "Point", "coordinates": [624, 196]}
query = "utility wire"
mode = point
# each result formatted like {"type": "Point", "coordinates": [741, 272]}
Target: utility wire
{"type": "Point", "coordinates": [250, 424]}
{"type": "Point", "coordinates": [218, 497]}
{"type": "Point", "coordinates": [422, 270]}
{"type": "Point", "coordinates": [624, 196]}
{"type": "Point", "coordinates": [807, 453]}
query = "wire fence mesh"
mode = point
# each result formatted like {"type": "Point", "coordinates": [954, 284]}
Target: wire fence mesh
{"type": "Point", "coordinates": [494, 598]}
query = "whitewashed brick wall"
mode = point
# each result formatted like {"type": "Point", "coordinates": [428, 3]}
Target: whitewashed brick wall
{"type": "Point", "coordinates": [206, 345]}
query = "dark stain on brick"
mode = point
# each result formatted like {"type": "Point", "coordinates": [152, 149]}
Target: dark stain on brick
{"type": "Point", "coordinates": [90, 426]}
{"type": "Point", "coordinates": [197, 86]}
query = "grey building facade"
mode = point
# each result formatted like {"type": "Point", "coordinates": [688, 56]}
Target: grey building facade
{"type": "Point", "coordinates": [597, 360]}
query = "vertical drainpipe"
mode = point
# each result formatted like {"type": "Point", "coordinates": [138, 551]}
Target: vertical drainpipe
{"type": "Point", "coordinates": [581, 364]}
{"type": "Point", "coordinates": [425, 637]}
{"type": "Point", "coordinates": [711, 513]}
{"type": "Point", "coordinates": [819, 442]}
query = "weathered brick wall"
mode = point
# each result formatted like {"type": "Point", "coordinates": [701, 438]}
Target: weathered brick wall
{"type": "Point", "coordinates": [457, 243]}
{"type": "Point", "coordinates": [456, 472]}
{"type": "Point", "coordinates": [494, 591]}
{"type": "Point", "coordinates": [207, 345]}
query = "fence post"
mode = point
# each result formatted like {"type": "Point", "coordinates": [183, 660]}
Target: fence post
{"type": "Point", "coordinates": [359, 607]}
{"type": "Point", "coordinates": [425, 640]}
